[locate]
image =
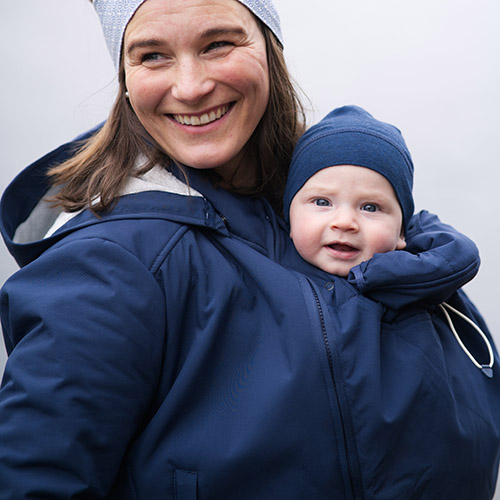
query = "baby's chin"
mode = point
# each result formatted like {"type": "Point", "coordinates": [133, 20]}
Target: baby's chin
{"type": "Point", "coordinates": [339, 270]}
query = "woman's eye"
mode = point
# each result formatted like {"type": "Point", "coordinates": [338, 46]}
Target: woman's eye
{"type": "Point", "coordinates": [218, 45]}
{"type": "Point", "coordinates": [369, 207]}
{"type": "Point", "coordinates": [151, 57]}
{"type": "Point", "coordinates": [321, 202]}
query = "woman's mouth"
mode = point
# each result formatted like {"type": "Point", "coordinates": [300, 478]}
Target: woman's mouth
{"type": "Point", "coordinates": [203, 119]}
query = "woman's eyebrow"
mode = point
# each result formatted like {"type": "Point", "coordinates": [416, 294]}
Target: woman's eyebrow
{"type": "Point", "coordinates": [222, 31]}
{"type": "Point", "coordinates": [151, 42]}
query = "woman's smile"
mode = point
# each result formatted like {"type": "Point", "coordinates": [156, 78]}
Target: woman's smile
{"type": "Point", "coordinates": [196, 120]}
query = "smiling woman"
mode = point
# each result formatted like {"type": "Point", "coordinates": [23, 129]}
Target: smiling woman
{"type": "Point", "coordinates": [231, 65]}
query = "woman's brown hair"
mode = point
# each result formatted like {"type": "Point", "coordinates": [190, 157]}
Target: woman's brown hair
{"type": "Point", "coordinates": [102, 165]}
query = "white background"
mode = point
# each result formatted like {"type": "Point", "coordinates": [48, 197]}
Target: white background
{"type": "Point", "coordinates": [431, 67]}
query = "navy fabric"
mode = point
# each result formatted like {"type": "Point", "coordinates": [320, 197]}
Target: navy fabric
{"type": "Point", "coordinates": [351, 136]}
{"type": "Point", "coordinates": [179, 348]}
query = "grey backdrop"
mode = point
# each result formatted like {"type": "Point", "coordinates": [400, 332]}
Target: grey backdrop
{"type": "Point", "coordinates": [431, 67]}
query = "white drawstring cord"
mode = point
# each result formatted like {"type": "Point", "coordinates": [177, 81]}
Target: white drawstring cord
{"type": "Point", "coordinates": [486, 369]}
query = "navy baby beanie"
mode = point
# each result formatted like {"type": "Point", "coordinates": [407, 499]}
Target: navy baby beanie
{"type": "Point", "coordinates": [351, 136]}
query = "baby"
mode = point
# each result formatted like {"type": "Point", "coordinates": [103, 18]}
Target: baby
{"type": "Point", "coordinates": [389, 318]}
{"type": "Point", "coordinates": [349, 197]}
{"type": "Point", "coordinates": [349, 190]}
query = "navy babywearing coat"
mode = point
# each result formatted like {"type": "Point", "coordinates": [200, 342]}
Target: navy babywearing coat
{"type": "Point", "coordinates": [178, 348]}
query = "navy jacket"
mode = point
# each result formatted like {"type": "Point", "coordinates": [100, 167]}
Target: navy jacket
{"type": "Point", "coordinates": [178, 348]}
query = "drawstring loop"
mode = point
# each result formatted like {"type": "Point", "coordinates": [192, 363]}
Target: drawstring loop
{"type": "Point", "coordinates": [486, 369]}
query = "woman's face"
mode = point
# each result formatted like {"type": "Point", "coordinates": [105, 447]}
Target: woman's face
{"type": "Point", "coordinates": [197, 76]}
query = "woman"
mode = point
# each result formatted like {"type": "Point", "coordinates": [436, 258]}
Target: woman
{"type": "Point", "coordinates": [159, 346]}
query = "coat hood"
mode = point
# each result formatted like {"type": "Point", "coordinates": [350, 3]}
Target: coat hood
{"type": "Point", "coordinates": [30, 224]}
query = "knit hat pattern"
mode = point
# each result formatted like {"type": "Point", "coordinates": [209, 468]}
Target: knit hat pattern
{"type": "Point", "coordinates": [115, 15]}
{"type": "Point", "coordinates": [351, 136]}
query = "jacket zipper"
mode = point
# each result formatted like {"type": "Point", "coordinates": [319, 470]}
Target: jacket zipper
{"type": "Point", "coordinates": [329, 356]}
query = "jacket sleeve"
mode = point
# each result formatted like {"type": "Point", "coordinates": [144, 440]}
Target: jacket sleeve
{"type": "Point", "coordinates": [437, 261]}
{"type": "Point", "coordinates": [84, 328]}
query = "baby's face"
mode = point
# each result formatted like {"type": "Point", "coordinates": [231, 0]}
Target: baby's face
{"type": "Point", "coordinates": [343, 215]}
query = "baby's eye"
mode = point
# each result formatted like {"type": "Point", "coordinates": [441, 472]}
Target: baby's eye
{"type": "Point", "coordinates": [370, 207]}
{"type": "Point", "coordinates": [322, 202]}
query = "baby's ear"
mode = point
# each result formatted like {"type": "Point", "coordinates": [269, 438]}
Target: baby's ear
{"type": "Point", "coordinates": [401, 245]}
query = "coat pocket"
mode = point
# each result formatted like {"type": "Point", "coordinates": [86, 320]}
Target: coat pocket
{"type": "Point", "coordinates": [185, 484]}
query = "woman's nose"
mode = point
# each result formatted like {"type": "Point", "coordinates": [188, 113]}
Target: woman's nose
{"type": "Point", "coordinates": [191, 81]}
{"type": "Point", "coordinates": [344, 218]}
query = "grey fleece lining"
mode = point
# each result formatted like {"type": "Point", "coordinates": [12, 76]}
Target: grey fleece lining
{"type": "Point", "coordinates": [39, 221]}
{"type": "Point", "coordinates": [45, 220]}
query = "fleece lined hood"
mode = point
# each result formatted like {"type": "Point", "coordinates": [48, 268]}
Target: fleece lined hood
{"type": "Point", "coordinates": [30, 225]}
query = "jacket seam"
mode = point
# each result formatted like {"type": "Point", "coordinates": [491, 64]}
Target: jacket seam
{"type": "Point", "coordinates": [133, 486]}
{"type": "Point", "coordinates": [107, 240]}
{"type": "Point", "coordinates": [164, 252]}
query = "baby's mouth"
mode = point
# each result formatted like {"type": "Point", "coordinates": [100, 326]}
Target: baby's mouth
{"type": "Point", "coordinates": [204, 119]}
{"type": "Point", "coordinates": [342, 247]}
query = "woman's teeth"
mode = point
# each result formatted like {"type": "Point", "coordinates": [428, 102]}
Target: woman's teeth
{"type": "Point", "coordinates": [203, 119]}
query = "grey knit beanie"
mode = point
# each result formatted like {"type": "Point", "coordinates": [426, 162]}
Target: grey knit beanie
{"type": "Point", "coordinates": [116, 14]}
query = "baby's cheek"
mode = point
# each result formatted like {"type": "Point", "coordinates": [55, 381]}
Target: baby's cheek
{"type": "Point", "coordinates": [385, 241]}
{"type": "Point", "coordinates": [303, 240]}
